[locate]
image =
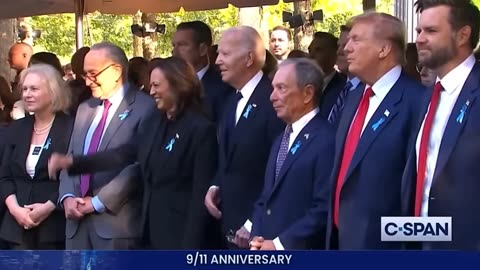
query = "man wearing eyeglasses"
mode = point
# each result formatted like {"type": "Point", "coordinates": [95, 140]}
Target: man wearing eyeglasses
{"type": "Point", "coordinates": [103, 209]}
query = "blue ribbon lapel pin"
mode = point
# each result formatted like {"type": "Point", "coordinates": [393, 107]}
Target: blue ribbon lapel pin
{"type": "Point", "coordinates": [462, 112]}
{"type": "Point", "coordinates": [248, 110]}
{"type": "Point", "coordinates": [381, 120]}
{"type": "Point", "coordinates": [124, 115]}
{"type": "Point", "coordinates": [295, 147]}
{"type": "Point", "coordinates": [47, 144]}
{"type": "Point", "coordinates": [172, 141]}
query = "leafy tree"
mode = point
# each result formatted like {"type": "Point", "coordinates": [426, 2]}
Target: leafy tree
{"type": "Point", "coordinates": [58, 33]}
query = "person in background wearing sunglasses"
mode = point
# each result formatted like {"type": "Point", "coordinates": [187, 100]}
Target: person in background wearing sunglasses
{"type": "Point", "coordinates": [428, 76]}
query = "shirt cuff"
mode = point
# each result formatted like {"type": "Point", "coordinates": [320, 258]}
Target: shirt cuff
{"type": "Point", "coordinates": [60, 202]}
{"type": "Point", "coordinates": [278, 245]}
{"type": "Point", "coordinates": [248, 225]}
{"type": "Point", "coordinates": [98, 205]}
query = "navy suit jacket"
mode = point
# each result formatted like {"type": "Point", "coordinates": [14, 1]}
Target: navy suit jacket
{"type": "Point", "coordinates": [216, 92]}
{"type": "Point", "coordinates": [331, 92]}
{"type": "Point", "coordinates": [455, 185]}
{"type": "Point", "coordinates": [295, 206]}
{"type": "Point", "coordinates": [371, 188]}
{"type": "Point", "coordinates": [241, 170]}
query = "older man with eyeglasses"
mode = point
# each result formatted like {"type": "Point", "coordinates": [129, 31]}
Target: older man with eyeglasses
{"type": "Point", "coordinates": [103, 209]}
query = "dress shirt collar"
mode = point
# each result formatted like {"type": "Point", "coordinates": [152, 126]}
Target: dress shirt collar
{"type": "Point", "coordinates": [247, 89]}
{"type": "Point", "coordinates": [298, 125]}
{"type": "Point", "coordinates": [386, 82]}
{"type": "Point", "coordinates": [456, 77]}
{"type": "Point", "coordinates": [119, 95]}
{"type": "Point", "coordinates": [202, 72]}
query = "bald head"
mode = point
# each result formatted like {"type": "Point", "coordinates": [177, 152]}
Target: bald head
{"type": "Point", "coordinates": [241, 55]}
{"type": "Point", "coordinates": [19, 56]}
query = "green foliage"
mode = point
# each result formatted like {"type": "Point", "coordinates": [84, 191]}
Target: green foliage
{"type": "Point", "coordinates": [112, 28]}
{"type": "Point", "coordinates": [58, 33]}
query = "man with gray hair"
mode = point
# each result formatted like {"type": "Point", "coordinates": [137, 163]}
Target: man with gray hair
{"type": "Point", "coordinates": [299, 165]}
{"type": "Point", "coordinates": [246, 134]}
{"type": "Point", "coordinates": [103, 209]}
{"type": "Point", "coordinates": [374, 134]}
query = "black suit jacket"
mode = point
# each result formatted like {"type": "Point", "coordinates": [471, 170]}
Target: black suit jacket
{"type": "Point", "coordinates": [176, 177]}
{"type": "Point", "coordinates": [331, 92]}
{"type": "Point", "coordinates": [216, 93]}
{"type": "Point", "coordinates": [14, 178]}
{"type": "Point", "coordinates": [241, 171]}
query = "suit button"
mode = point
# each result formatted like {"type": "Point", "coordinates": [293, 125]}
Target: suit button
{"type": "Point", "coordinates": [269, 212]}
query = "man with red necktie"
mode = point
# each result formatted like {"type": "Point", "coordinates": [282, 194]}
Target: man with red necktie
{"type": "Point", "coordinates": [373, 135]}
{"type": "Point", "coordinates": [441, 177]}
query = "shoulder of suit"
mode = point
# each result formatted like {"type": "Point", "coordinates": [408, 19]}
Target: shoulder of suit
{"type": "Point", "coordinates": [411, 85]}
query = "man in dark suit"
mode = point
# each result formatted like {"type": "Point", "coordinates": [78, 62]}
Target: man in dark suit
{"type": "Point", "coordinates": [103, 209]}
{"type": "Point", "coordinates": [351, 83]}
{"type": "Point", "coordinates": [299, 165]}
{"type": "Point", "coordinates": [323, 50]}
{"type": "Point", "coordinates": [192, 42]}
{"type": "Point", "coordinates": [246, 132]}
{"type": "Point", "coordinates": [373, 135]}
{"type": "Point", "coordinates": [441, 178]}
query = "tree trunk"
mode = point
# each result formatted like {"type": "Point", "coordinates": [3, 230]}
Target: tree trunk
{"type": "Point", "coordinates": [302, 35]}
{"type": "Point", "coordinates": [7, 38]}
{"type": "Point", "coordinates": [369, 5]}
{"type": "Point", "coordinates": [253, 16]}
{"type": "Point", "coordinates": [149, 42]}
{"type": "Point", "coordinates": [137, 41]}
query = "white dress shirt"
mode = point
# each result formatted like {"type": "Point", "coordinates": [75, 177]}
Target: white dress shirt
{"type": "Point", "coordinates": [202, 72]}
{"type": "Point", "coordinates": [381, 88]}
{"type": "Point", "coordinates": [452, 83]}
{"type": "Point", "coordinates": [247, 91]}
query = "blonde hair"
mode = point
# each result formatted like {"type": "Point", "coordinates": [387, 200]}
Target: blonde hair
{"type": "Point", "coordinates": [386, 27]}
{"type": "Point", "coordinates": [56, 86]}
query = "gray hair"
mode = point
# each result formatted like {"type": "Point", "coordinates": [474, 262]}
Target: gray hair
{"type": "Point", "coordinates": [115, 54]}
{"type": "Point", "coordinates": [58, 89]}
{"type": "Point", "coordinates": [307, 73]}
{"type": "Point", "coordinates": [250, 40]}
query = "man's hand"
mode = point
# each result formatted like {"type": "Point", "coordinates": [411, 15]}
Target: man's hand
{"type": "Point", "coordinates": [259, 243]}
{"type": "Point", "coordinates": [58, 162]}
{"type": "Point", "coordinates": [87, 207]}
{"type": "Point", "coordinates": [71, 206]}
{"type": "Point", "coordinates": [242, 238]}
{"type": "Point", "coordinates": [22, 216]}
{"type": "Point", "coordinates": [40, 211]}
{"type": "Point", "coordinates": [212, 199]}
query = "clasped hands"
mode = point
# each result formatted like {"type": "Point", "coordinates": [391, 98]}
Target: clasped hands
{"type": "Point", "coordinates": [76, 208]}
{"type": "Point", "coordinates": [242, 240]}
{"type": "Point", "coordinates": [32, 215]}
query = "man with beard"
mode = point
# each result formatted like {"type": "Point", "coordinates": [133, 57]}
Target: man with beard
{"type": "Point", "coordinates": [441, 178]}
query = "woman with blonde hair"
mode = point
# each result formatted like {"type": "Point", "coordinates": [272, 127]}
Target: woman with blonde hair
{"type": "Point", "coordinates": [33, 220]}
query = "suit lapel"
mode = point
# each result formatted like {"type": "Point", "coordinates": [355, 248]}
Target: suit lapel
{"type": "Point", "coordinates": [24, 141]}
{"type": "Point", "coordinates": [85, 118]}
{"type": "Point", "coordinates": [118, 118]}
{"type": "Point", "coordinates": [457, 120]}
{"type": "Point", "coordinates": [380, 119]}
{"type": "Point", "coordinates": [299, 145]}
{"type": "Point", "coordinates": [54, 138]}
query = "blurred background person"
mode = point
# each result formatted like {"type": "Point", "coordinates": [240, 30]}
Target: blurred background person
{"type": "Point", "coordinates": [68, 74]}
{"type": "Point", "coordinates": [184, 143]}
{"type": "Point", "coordinates": [298, 54]}
{"type": "Point", "coordinates": [427, 75]}
{"type": "Point", "coordinates": [33, 220]}
{"type": "Point", "coordinates": [18, 57]}
{"type": "Point", "coordinates": [47, 58]}
{"type": "Point", "coordinates": [138, 73]}
{"type": "Point", "coordinates": [271, 65]}
{"type": "Point", "coordinates": [410, 65]}
{"type": "Point", "coordinates": [79, 88]}
{"type": "Point", "coordinates": [279, 43]}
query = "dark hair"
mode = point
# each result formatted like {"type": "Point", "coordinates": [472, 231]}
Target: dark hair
{"type": "Point", "coordinates": [78, 59]}
{"type": "Point", "coordinates": [462, 13]}
{"type": "Point", "coordinates": [183, 81]}
{"type": "Point", "coordinates": [201, 31]}
{"type": "Point", "coordinates": [271, 64]}
{"type": "Point", "coordinates": [345, 28]}
{"type": "Point", "coordinates": [330, 39]}
{"type": "Point", "coordinates": [137, 69]}
{"type": "Point", "coordinates": [47, 58]}
{"type": "Point", "coordinates": [282, 28]}
{"type": "Point", "coordinates": [298, 54]}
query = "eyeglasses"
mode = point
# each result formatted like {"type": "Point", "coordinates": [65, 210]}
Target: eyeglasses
{"type": "Point", "coordinates": [93, 78]}
{"type": "Point", "coordinates": [419, 67]}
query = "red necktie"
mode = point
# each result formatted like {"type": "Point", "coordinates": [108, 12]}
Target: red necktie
{"type": "Point", "coordinates": [422, 153]}
{"type": "Point", "coordinates": [351, 143]}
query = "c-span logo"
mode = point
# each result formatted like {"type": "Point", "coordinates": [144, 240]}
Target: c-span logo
{"type": "Point", "coordinates": [438, 229]}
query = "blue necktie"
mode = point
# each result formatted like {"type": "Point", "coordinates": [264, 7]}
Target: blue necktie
{"type": "Point", "coordinates": [283, 151]}
{"type": "Point", "coordinates": [338, 106]}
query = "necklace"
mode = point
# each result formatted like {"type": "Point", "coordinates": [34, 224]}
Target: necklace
{"type": "Point", "coordinates": [40, 131]}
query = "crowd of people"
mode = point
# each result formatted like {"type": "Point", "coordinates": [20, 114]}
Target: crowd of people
{"type": "Point", "coordinates": [236, 146]}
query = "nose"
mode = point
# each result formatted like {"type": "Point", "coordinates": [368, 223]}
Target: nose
{"type": "Point", "coordinates": [420, 38]}
{"type": "Point", "coordinates": [273, 95]}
